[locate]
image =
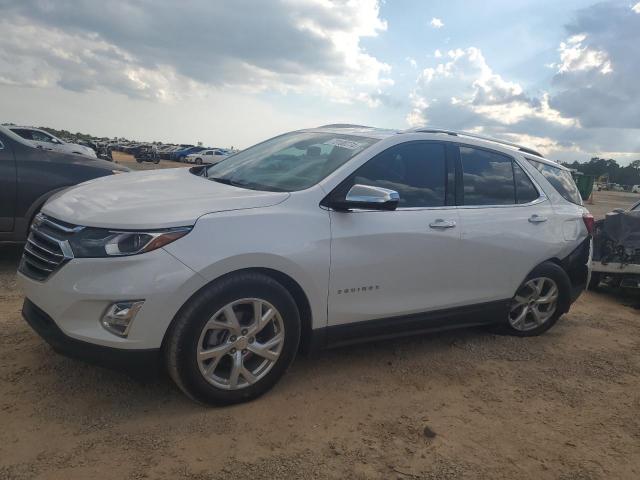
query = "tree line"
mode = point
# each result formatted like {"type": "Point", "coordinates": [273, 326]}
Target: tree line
{"type": "Point", "coordinates": [608, 170]}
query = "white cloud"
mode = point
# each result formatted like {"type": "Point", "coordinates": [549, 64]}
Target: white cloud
{"type": "Point", "coordinates": [576, 57]}
{"type": "Point", "coordinates": [597, 78]}
{"type": "Point", "coordinates": [636, 7]}
{"type": "Point", "coordinates": [436, 23]}
{"type": "Point", "coordinates": [589, 108]}
{"type": "Point", "coordinates": [79, 62]}
{"type": "Point", "coordinates": [479, 89]}
{"type": "Point", "coordinates": [146, 52]}
{"type": "Point", "coordinates": [437, 54]}
{"type": "Point", "coordinates": [412, 62]}
{"type": "Point", "coordinates": [464, 93]}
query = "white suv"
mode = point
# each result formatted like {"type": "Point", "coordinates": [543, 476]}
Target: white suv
{"type": "Point", "coordinates": [314, 238]}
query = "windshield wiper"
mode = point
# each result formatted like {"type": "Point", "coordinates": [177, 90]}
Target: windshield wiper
{"type": "Point", "coordinates": [226, 181]}
{"type": "Point", "coordinates": [246, 185]}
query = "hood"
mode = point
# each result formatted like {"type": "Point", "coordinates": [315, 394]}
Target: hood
{"type": "Point", "coordinates": [154, 199]}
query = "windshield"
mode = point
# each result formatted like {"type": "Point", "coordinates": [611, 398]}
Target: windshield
{"type": "Point", "coordinates": [290, 162]}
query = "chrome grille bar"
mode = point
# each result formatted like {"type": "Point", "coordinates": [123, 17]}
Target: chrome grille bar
{"type": "Point", "coordinates": [47, 247]}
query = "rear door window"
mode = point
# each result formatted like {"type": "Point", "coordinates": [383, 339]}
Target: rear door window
{"type": "Point", "coordinates": [526, 192]}
{"type": "Point", "coordinates": [559, 179]}
{"type": "Point", "coordinates": [487, 177]}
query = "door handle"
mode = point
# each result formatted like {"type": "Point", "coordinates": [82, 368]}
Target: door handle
{"type": "Point", "coordinates": [537, 219]}
{"type": "Point", "coordinates": [440, 223]}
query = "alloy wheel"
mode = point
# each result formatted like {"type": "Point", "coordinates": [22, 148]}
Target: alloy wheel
{"type": "Point", "coordinates": [534, 304]}
{"type": "Point", "coordinates": [240, 343]}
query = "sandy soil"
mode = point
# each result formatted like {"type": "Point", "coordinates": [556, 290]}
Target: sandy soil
{"type": "Point", "coordinates": [606, 201]}
{"type": "Point", "coordinates": [459, 405]}
{"type": "Point", "coordinates": [129, 161]}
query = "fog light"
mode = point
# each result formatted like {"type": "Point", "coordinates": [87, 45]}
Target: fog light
{"type": "Point", "coordinates": [119, 317]}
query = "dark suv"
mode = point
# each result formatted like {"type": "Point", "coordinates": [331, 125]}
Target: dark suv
{"type": "Point", "coordinates": [29, 176]}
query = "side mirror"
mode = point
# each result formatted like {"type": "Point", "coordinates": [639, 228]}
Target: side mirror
{"type": "Point", "coordinates": [367, 197]}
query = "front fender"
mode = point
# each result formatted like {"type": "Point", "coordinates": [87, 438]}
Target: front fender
{"type": "Point", "coordinates": [295, 243]}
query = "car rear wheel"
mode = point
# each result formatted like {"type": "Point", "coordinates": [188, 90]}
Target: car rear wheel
{"type": "Point", "coordinates": [198, 161]}
{"type": "Point", "coordinates": [234, 340]}
{"type": "Point", "coordinates": [539, 302]}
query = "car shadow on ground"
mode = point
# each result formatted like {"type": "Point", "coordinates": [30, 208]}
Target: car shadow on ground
{"type": "Point", "coordinates": [626, 296]}
{"type": "Point", "coordinates": [121, 395]}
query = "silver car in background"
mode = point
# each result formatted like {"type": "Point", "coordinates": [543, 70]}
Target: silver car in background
{"type": "Point", "coordinates": [210, 156]}
{"type": "Point", "coordinates": [46, 141]}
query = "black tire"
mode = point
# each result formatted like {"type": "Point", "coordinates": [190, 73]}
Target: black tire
{"type": "Point", "coordinates": [139, 160]}
{"type": "Point", "coordinates": [560, 277]}
{"type": "Point", "coordinates": [181, 341]}
{"type": "Point", "coordinates": [198, 161]}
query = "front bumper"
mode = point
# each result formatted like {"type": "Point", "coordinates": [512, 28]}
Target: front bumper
{"type": "Point", "coordinates": [78, 294]}
{"type": "Point", "coordinates": [131, 360]}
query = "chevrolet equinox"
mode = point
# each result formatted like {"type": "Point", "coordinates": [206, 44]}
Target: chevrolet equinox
{"type": "Point", "coordinates": [314, 238]}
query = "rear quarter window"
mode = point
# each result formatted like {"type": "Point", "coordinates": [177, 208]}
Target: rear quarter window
{"type": "Point", "coordinates": [559, 179]}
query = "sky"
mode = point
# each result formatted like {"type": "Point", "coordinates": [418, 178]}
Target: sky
{"type": "Point", "coordinates": [562, 77]}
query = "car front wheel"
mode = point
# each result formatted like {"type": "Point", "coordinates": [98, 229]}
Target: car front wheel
{"type": "Point", "coordinates": [234, 340]}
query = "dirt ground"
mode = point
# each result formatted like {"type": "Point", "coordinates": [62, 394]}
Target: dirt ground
{"type": "Point", "coordinates": [459, 405]}
{"type": "Point", "coordinates": [606, 201]}
{"type": "Point", "coordinates": [128, 161]}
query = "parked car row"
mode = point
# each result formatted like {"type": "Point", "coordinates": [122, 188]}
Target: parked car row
{"type": "Point", "coordinates": [146, 152]}
{"type": "Point", "coordinates": [103, 148]}
{"type": "Point", "coordinates": [615, 187]}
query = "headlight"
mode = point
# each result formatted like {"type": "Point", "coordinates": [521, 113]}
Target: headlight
{"type": "Point", "coordinates": [99, 242]}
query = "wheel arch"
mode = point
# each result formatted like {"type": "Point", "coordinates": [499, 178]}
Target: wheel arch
{"type": "Point", "coordinates": [290, 284]}
{"type": "Point", "coordinates": [559, 263]}
{"type": "Point", "coordinates": [21, 228]}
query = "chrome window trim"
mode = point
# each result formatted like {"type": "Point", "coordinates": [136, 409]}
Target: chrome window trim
{"type": "Point", "coordinates": [405, 209]}
{"type": "Point", "coordinates": [542, 198]}
{"type": "Point", "coordinates": [1, 145]}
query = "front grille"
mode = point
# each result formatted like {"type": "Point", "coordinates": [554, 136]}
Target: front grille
{"type": "Point", "coordinates": [47, 247]}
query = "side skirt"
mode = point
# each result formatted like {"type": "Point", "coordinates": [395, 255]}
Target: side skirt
{"type": "Point", "coordinates": [382, 328]}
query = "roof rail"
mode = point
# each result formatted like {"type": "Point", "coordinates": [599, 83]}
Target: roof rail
{"type": "Point", "coordinates": [522, 148]}
{"type": "Point", "coordinates": [343, 125]}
